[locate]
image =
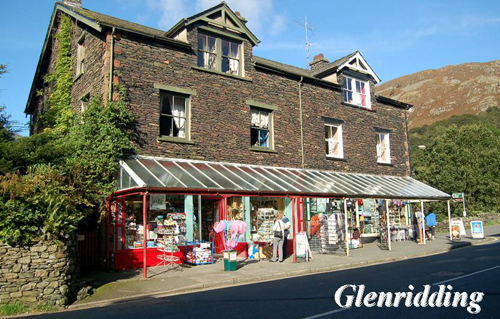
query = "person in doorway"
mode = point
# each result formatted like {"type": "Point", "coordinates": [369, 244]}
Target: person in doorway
{"type": "Point", "coordinates": [430, 220]}
{"type": "Point", "coordinates": [279, 234]}
{"type": "Point", "coordinates": [287, 224]}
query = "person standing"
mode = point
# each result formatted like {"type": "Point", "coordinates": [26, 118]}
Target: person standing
{"type": "Point", "coordinates": [430, 220]}
{"type": "Point", "coordinates": [279, 234]}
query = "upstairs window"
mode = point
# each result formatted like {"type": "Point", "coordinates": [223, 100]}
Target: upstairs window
{"type": "Point", "coordinates": [333, 141]}
{"type": "Point", "coordinates": [80, 56]}
{"type": "Point", "coordinates": [356, 92]}
{"type": "Point", "coordinates": [173, 115]}
{"type": "Point", "coordinates": [207, 52]}
{"type": "Point", "coordinates": [219, 54]}
{"type": "Point", "coordinates": [261, 128]}
{"type": "Point", "coordinates": [383, 148]}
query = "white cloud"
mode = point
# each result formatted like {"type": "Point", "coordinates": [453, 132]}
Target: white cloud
{"type": "Point", "coordinates": [171, 11]}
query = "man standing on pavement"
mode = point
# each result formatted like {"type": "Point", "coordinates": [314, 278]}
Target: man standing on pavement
{"type": "Point", "coordinates": [430, 220]}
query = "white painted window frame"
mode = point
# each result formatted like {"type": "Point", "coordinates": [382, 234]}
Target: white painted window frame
{"type": "Point", "coordinates": [386, 138]}
{"type": "Point", "coordinates": [357, 95]}
{"type": "Point", "coordinates": [332, 142]}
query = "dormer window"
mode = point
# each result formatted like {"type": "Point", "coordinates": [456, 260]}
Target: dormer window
{"type": "Point", "coordinates": [356, 92]}
{"type": "Point", "coordinates": [219, 54]}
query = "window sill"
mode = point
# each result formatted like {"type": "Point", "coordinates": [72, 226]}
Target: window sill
{"type": "Point", "coordinates": [221, 73]}
{"type": "Point", "coordinates": [385, 164]}
{"type": "Point", "coordinates": [358, 107]}
{"type": "Point", "coordinates": [262, 149]}
{"type": "Point", "coordinates": [339, 159]}
{"type": "Point", "coordinates": [173, 139]}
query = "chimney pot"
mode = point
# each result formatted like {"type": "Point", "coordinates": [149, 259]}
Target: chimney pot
{"type": "Point", "coordinates": [319, 57]}
{"type": "Point", "coordinates": [237, 13]}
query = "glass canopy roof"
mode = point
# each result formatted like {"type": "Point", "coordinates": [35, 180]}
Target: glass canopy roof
{"type": "Point", "coordinates": [179, 174]}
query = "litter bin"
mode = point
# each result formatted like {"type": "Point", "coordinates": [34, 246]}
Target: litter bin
{"type": "Point", "coordinates": [230, 260]}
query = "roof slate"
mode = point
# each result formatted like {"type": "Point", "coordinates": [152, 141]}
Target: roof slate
{"type": "Point", "coordinates": [282, 66]}
{"type": "Point", "coordinates": [335, 64]}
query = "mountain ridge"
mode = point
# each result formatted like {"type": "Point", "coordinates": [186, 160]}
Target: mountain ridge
{"type": "Point", "coordinates": [437, 94]}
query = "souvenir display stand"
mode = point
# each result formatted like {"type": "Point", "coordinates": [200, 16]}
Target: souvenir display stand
{"type": "Point", "coordinates": [326, 229]}
{"type": "Point", "coordinates": [166, 244]}
{"type": "Point", "coordinates": [199, 253]}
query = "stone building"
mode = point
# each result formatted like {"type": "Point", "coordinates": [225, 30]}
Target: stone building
{"type": "Point", "coordinates": [219, 124]}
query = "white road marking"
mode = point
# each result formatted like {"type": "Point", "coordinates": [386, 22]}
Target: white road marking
{"type": "Point", "coordinates": [468, 275]}
{"type": "Point", "coordinates": [324, 314]}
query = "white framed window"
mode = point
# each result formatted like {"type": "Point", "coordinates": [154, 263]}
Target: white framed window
{"type": "Point", "coordinates": [383, 148]}
{"type": "Point", "coordinates": [356, 91]}
{"type": "Point", "coordinates": [80, 56]}
{"type": "Point", "coordinates": [261, 128]}
{"type": "Point", "coordinates": [174, 115]}
{"type": "Point", "coordinates": [219, 54]}
{"type": "Point", "coordinates": [334, 144]}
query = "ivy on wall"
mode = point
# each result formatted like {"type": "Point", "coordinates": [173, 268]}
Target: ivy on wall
{"type": "Point", "coordinates": [58, 113]}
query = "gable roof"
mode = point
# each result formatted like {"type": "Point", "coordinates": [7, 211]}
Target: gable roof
{"type": "Point", "coordinates": [238, 23]}
{"type": "Point", "coordinates": [344, 62]}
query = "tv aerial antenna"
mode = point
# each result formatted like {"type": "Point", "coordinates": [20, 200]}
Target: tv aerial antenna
{"type": "Point", "coordinates": [307, 28]}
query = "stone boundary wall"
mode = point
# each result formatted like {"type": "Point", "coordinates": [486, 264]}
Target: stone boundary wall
{"type": "Point", "coordinates": [43, 273]}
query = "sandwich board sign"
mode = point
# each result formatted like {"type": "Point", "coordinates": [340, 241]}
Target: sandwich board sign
{"type": "Point", "coordinates": [477, 229]}
{"type": "Point", "coordinates": [457, 228]}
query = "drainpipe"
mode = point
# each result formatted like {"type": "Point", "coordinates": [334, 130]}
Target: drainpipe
{"type": "Point", "coordinates": [301, 125]}
{"type": "Point", "coordinates": [112, 43]}
{"type": "Point", "coordinates": [408, 142]}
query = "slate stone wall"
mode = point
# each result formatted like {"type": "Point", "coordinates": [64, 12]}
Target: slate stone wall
{"type": "Point", "coordinates": [45, 273]}
{"type": "Point", "coordinates": [220, 119]}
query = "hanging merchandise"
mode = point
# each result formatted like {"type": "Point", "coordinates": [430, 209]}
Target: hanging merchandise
{"type": "Point", "coordinates": [326, 228]}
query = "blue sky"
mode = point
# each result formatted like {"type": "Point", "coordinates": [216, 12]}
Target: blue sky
{"type": "Point", "coordinates": [395, 37]}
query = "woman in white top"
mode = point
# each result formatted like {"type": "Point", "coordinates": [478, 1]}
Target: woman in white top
{"type": "Point", "coordinates": [279, 230]}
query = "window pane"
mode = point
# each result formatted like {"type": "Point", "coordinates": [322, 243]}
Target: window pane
{"type": "Point", "coordinates": [225, 47]}
{"type": "Point", "coordinates": [202, 42]}
{"type": "Point", "coordinates": [235, 50]}
{"type": "Point", "coordinates": [346, 99]}
{"type": "Point", "coordinates": [345, 83]}
{"type": "Point", "coordinates": [264, 138]}
{"type": "Point", "coordinates": [255, 118]}
{"type": "Point", "coordinates": [211, 44]}
{"type": "Point", "coordinates": [165, 126]}
{"type": "Point", "coordinates": [210, 60]}
{"type": "Point", "coordinates": [234, 66]}
{"type": "Point", "coordinates": [358, 87]}
{"type": "Point", "coordinates": [328, 131]}
{"type": "Point", "coordinates": [225, 65]}
{"type": "Point", "coordinates": [254, 137]}
{"type": "Point", "coordinates": [264, 120]}
{"type": "Point", "coordinates": [201, 60]}
{"type": "Point", "coordinates": [167, 101]}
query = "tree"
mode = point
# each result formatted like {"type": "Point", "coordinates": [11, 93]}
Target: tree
{"type": "Point", "coordinates": [464, 159]}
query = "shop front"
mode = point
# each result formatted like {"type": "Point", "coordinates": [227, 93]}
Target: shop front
{"type": "Point", "coordinates": [166, 210]}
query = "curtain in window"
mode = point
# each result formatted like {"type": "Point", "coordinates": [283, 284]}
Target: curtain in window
{"type": "Point", "coordinates": [255, 118]}
{"type": "Point", "coordinates": [264, 120]}
{"type": "Point", "coordinates": [178, 109]}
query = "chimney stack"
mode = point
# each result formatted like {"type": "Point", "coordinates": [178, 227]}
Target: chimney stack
{"type": "Point", "coordinates": [318, 62]}
{"type": "Point", "coordinates": [73, 3]}
{"type": "Point", "coordinates": [238, 14]}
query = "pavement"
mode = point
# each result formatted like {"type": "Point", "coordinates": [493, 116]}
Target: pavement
{"type": "Point", "coordinates": [129, 285]}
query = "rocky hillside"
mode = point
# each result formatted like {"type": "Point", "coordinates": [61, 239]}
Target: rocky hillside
{"type": "Point", "coordinates": [468, 88]}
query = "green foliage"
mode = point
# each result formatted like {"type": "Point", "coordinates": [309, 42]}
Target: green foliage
{"type": "Point", "coordinates": [58, 112]}
{"type": "Point", "coordinates": [13, 309]}
{"type": "Point", "coordinates": [465, 158]}
{"type": "Point", "coordinates": [96, 144]}
{"type": "Point", "coordinates": [59, 180]}
{"type": "Point", "coordinates": [38, 204]}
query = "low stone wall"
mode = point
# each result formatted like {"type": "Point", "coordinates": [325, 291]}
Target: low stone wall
{"type": "Point", "coordinates": [45, 272]}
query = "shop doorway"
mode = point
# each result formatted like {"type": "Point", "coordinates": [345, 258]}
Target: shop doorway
{"type": "Point", "coordinates": [208, 216]}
